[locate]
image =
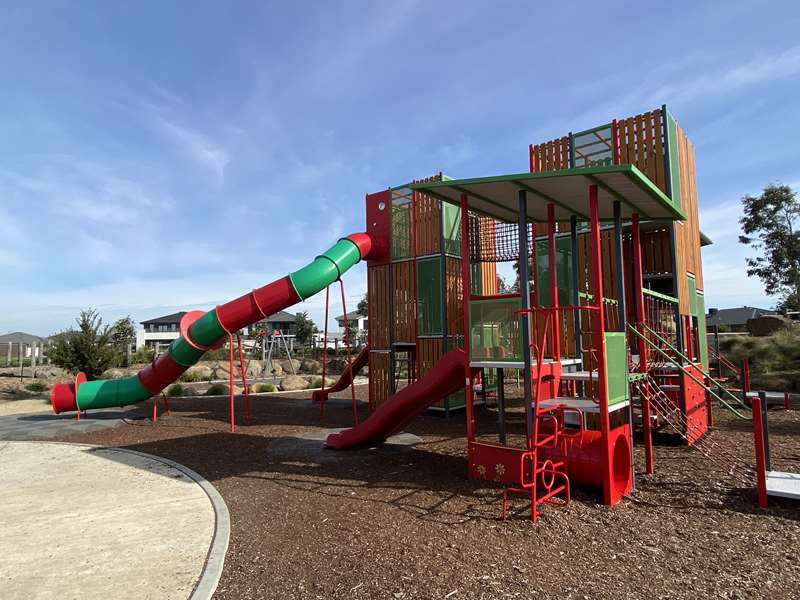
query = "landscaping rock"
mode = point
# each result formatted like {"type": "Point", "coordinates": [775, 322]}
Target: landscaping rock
{"type": "Point", "coordinates": [310, 366]}
{"type": "Point", "coordinates": [287, 365]}
{"type": "Point", "coordinates": [200, 371]}
{"type": "Point", "coordinates": [114, 373]}
{"type": "Point", "coordinates": [294, 383]}
{"type": "Point", "coordinates": [277, 370]}
{"type": "Point", "coordinates": [767, 325]}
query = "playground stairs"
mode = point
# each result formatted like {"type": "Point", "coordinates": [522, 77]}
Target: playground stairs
{"type": "Point", "coordinates": [698, 437]}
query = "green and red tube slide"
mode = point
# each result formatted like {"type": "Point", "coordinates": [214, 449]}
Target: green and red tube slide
{"type": "Point", "coordinates": [203, 331]}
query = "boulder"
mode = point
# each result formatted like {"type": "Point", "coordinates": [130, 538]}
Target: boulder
{"type": "Point", "coordinates": [310, 366]}
{"type": "Point", "coordinates": [200, 372]}
{"type": "Point", "coordinates": [337, 365]}
{"type": "Point", "coordinates": [114, 373]}
{"type": "Point", "coordinates": [277, 370]}
{"type": "Point", "coordinates": [294, 383]}
{"type": "Point", "coordinates": [767, 325]}
{"type": "Point", "coordinates": [254, 368]}
{"type": "Point", "coordinates": [287, 365]}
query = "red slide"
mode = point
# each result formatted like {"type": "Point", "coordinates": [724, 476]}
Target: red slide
{"type": "Point", "coordinates": [447, 377]}
{"type": "Point", "coordinates": [346, 377]}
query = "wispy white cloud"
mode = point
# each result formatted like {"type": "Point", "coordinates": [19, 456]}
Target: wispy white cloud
{"type": "Point", "coordinates": [198, 146]}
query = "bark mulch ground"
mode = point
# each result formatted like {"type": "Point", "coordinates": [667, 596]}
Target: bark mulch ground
{"type": "Point", "coordinates": [404, 522]}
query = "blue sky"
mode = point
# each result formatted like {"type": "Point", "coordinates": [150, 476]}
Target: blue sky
{"type": "Point", "coordinates": [157, 157]}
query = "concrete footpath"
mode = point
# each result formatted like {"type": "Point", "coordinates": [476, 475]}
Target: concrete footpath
{"type": "Point", "coordinates": [45, 424]}
{"type": "Point", "coordinates": [97, 523]}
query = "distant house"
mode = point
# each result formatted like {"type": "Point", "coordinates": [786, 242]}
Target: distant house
{"type": "Point", "coordinates": [159, 331]}
{"type": "Point", "coordinates": [281, 321]}
{"type": "Point", "coordinates": [354, 319]}
{"type": "Point", "coordinates": [12, 343]}
{"type": "Point", "coordinates": [734, 319]}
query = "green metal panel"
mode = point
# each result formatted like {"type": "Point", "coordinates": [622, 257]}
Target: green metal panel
{"type": "Point", "coordinates": [701, 329]}
{"type": "Point", "coordinates": [495, 330]}
{"type": "Point", "coordinates": [563, 271]}
{"type": "Point", "coordinates": [692, 296]}
{"type": "Point", "coordinates": [674, 162]}
{"type": "Point", "coordinates": [184, 353]}
{"type": "Point", "coordinates": [475, 280]}
{"type": "Point", "coordinates": [616, 367]}
{"type": "Point", "coordinates": [108, 393]}
{"type": "Point", "coordinates": [429, 296]}
{"type": "Point", "coordinates": [451, 223]}
{"type": "Point", "coordinates": [401, 231]}
{"type": "Point", "coordinates": [207, 329]}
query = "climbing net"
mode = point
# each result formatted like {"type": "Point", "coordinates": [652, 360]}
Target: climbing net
{"type": "Point", "coordinates": [491, 240]}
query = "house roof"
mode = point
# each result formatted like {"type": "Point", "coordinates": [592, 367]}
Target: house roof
{"type": "Point", "coordinates": [567, 190]}
{"type": "Point", "coordinates": [280, 317]}
{"type": "Point", "coordinates": [736, 316]}
{"type": "Point", "coordinates": [19, 337]}
{"type": "Point", "coordinates": [165, 320]}
{"type": "Point", "coordinates": [351, 316]}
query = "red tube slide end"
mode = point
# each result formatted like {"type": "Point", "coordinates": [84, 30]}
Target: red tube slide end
{"type": "Point", "coordinates": [364, 243]}
{"type": "Point", "coordinates": [63, 395]}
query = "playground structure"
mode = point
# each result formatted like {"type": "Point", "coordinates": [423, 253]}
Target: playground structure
{"type": "Point", "coordinates": [605, 327]}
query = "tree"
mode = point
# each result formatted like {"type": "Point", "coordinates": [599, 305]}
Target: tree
{"type": "Point", "coordinates": [363, 308]}
{"type": "Point", "coordinates": [771, 226]}
{"type": "Point", "coordinates": [89, 349]}
{"type": "Point", "coordinates": [123, 334]}
{"type": "Point", "coordinates": [305, 328]}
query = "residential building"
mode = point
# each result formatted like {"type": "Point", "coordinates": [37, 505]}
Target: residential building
{"type": "Point", "coordinates": [159, 331]}
{"type": "Point", "coordinates": [734, 319]}
{"type": "Point", "coordinates": [281, 321]}
{"type": "Point", "coordinates": [29, 345]}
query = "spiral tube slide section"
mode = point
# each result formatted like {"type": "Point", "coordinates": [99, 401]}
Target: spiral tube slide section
{"type": "Point", "coordinates": [202, 331]}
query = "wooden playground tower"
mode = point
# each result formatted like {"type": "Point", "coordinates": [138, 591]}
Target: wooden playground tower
{"type": "Point", "coordinates": [607, 328]}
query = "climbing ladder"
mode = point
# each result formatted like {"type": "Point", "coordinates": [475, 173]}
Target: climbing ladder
{"type": "Point", "coordinates": [738, 470]}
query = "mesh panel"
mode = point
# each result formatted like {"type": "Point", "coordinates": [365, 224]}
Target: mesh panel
{"type": "Point", "coordinates": [494, 241]}
{"type": "Point", "coordinates": [593, 148]}
{"type": "Point", "coordinates": [495, 328]}
{"type": "Point", "coordinates": [429, 292]}
{"type": "Point", "coordinates": [401, 223]}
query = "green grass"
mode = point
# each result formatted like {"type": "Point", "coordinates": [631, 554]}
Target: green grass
{"type": "Point", "coordinates": [37, 387]}
{"type": "Point", "coordinates": [774, 360]}
{"type": "Point", "coordinates": [264, 387]}
{"type": "Point", "coordinates": [175, 390]}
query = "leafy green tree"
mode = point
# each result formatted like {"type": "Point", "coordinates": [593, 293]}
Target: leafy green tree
{"type": "Point", "coordinates": [123, 334]}
{"type": "Point", "coordinates": [363, 308]}
{"type": "Point", "coordinates": [771, 226]}
{"type": "Point", "coordinates": [304, 328]}
{"type": "Point", "coordinates": [90, 348]}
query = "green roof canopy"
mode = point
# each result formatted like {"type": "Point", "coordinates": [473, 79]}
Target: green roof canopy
{"type": "Point", "coordinates": [568, 190]}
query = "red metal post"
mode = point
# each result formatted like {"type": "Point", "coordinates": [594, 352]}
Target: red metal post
{"type": "Point", "coordinates": [761, 469]}
{"type": "Point", "coordinates": [615, 141]}
{"type": "Point", "coordinates": [324, 352]}
{"type": "Point", "coordinates": [638, 292]}
{"type": "Point", "coordinates": [785, 400]}
{"type": "Point", "coordinates": [532, 157]}
{"type": "Point", "coordinates": [599, 339]}
{"type": "Point", "coordinates": [466, 287]}
{"type": "Point", "coordinates": [247, 415]}
{"type": "Point", "coordinates": [347, 341]}
{"type": "Point", "coordinates": [551, 267]}
{"type": "Point", "coordinates": [414, 281]}
{"type": "Point", "coordinates": [230, 380]}
{"type": "Point", "coordinates": [746, 371]}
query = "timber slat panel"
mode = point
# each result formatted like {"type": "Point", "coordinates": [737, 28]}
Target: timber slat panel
{"type": "Point", "coordinates": [379, 378]}
{"type": "Point", "coordinates": [428, 225]}
{"type": "Point", "coordinates": [378, 302]}
{"type": "Point", "coordinates": [405, 304]}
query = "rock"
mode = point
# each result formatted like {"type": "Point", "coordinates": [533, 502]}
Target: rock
{"type": "Point", "coordinates": [294, 383]}
{"type": "Point", "coordinates": [114, 373]}
{"type": "Point", "coordinates": [254, 368]}
{"type": "Point", "coordinates": [200, 372]}
{"type": "Point", "coordinates": [767, 325]}
{"type": "Point", "coordinates": [336, 365]}
{"type": "Point", "coordinates": [277, 370]}
{"type": "Point", "coordinates": [287, 365]}
{"type": "Point", "coordinates": [310, 366]}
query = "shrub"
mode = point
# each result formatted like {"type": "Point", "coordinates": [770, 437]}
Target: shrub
{"type": "Point", "coordinates": [264, 387]}
{"type": "Point", "coordinates": [217, 389]}
{"type": "Point", "coordinates": [316, 382]}
{"type": "Point", "coordinates": [37, 387]}
{"type": "Point", "coordinates": [191, 377]}
{"type": "Point", "coordinates": [175, 390]}
{"type": "Point", "coordinates": [144, 354]}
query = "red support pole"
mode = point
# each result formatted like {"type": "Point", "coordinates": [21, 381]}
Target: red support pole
{"type": "Point", "coordinates": [349, 356]}
{"type": "Point", "coordinates": [465, 284]}
{"type": "Point", "coordinates": [230, 378]}
{"type": "Point", "coordinates": [532, 157]}
{"type": "Point", "coordinates": [638, 292]}
{"type": "Point", "coordinates": [414, 280]}
{"type": "Point", "coordinates": [166, 405]}
{"type": "Point", "coordinates": [746, 371]}
{"type": "Point", "coordinates": [551, 267]}
{"type": "Point", "coordinates": [247, 415]}
{"type": "Point", "coordinates": [761, 469]}
{"type": "Point", "coordinates": [785, 400]}
{"type": "Point", "coordinates": [324, 353]}
{"type": "Point", "coordinates": [599, 339]}
{"type": "Point", "coordinates": [615, 141]}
